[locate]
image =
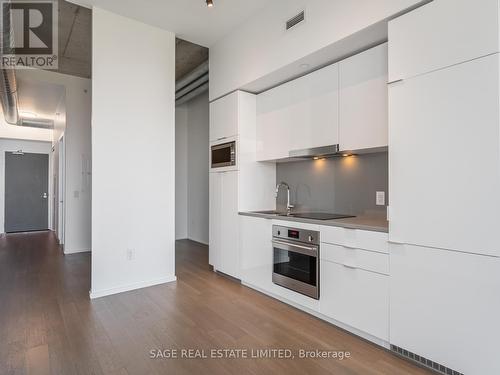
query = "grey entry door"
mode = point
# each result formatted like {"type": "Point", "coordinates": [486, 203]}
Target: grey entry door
{"type": "Point", "coordinates": [26, 192]}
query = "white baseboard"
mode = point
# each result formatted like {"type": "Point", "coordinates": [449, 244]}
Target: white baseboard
{"type": "Point", "coordinates": [198, 241]}
{"type": "Point", "coordinates": [68, 252]}
{"type": "Point", "coordinates": [129, 287]}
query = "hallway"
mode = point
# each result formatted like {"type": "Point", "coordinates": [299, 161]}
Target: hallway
{"type": "Point", "coordinates": [48, 325]}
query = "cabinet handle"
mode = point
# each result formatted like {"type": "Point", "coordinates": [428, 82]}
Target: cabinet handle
{"type": "Point", "coordinates": [221, 138]}
{"type": "Point", "coordinates": [350, 266]}
{"type": "Point", "coordinates": [396, 81]}
{"type": "Point", "coordinates": [350, 247]}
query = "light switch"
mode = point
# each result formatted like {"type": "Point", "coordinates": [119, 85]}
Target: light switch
{"type": "Point", "coordinates": [380, 198]}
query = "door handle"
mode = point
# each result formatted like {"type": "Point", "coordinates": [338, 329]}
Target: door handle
{"type": "Point", "coordinates": [44, 196]}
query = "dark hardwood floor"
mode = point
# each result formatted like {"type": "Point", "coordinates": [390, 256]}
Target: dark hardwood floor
{"type": "Point", "coordinates": [48, 325]}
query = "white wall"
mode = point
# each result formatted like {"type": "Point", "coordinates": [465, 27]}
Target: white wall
{"type": "Point", "coordinates": [198, 143]}
{"type": "Point", "coordinates": [192, 143]}
{"type": "Point", "coordinates": [8, 131]}
{"type": "Point", "coordinates": [181, 172]}
{"type": "Point", "coordinates": [133, 148]}
{"type": "Point", "coordinates": [261, 45]}
{"type": "Point", "coordinates": [36, 147]}
{"type": "Point", "coordinates": [74, 122]}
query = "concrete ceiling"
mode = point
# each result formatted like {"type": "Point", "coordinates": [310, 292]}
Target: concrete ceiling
{"type": "Point", "coordinates": [75, 40]}
{"type": "Point", "coordinates": [39, 98]}
{"type": "Point", "coordinates": [190, 20]}
{"type": "Point", "coordinates": [188, 56]}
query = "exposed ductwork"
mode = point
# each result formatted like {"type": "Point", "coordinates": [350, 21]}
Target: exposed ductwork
{"type": "Point", "coordinates": [8, 96]}
{"type": "Point", "coordinates": [192, 85]}
{"type": "Point", "coordinates": [8, 85]}
{"type": "Point", "coordinates": [37, 123]}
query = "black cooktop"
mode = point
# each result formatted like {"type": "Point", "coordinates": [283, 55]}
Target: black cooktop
{"type": "Point", "coordinates": [319, 216]}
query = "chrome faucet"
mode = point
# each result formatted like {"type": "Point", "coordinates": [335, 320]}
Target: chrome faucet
{"type": "Point", "coordinates": [288, 205]}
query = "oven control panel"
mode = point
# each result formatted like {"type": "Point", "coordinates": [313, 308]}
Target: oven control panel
{"type": "Point", "coordinates": [300, 235]}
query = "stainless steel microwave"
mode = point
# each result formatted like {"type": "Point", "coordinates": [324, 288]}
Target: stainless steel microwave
{"type": "Point", "coordinates": [223, 155]}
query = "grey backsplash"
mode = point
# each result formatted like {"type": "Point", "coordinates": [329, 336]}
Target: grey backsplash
{"type": "Point", "coordinates": [340, 185]}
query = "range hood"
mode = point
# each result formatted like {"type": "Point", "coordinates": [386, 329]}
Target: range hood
{"type": "Point", "coordinates": [316, 152]}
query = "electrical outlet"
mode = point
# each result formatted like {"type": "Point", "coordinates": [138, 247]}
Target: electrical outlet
{"type": "Point", "coordinates": [380, 198]}
{"type": "Point", "coordinates": [130, 254]}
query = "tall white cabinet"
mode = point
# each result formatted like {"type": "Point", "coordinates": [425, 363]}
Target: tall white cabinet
{"type": "Point", "coordinates": [445, 158]}
{"type": "Point", "coordinates": [444, 183]}
{"type": "Point", "coordinates": [248, 187]}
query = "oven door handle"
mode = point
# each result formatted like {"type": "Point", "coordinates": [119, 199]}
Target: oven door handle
{"type": "Point", "coordinates": [306, 250]}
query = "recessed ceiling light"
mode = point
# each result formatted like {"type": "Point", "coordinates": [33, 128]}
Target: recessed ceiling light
{"type": "Point", "coordinates": [210, 3]}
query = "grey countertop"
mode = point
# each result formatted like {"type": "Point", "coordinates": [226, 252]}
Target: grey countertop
{"type": "Point", "coordinates": [375, 223]}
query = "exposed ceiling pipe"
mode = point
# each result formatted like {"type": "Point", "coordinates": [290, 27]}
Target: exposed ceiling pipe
{"type": "Point", "coordinates": [190, 77]}
{"type": "Point", "coordinates": [201, 89]}
{"type": "Point", "coordinates": [8, 96]}
{"type": "Point", "coordinates": [38, 123]}
{"type": "Point", "coordinates": [8, 84]}
{"type": "Point", "coordinates": [192, 85]}
{"type": "Point", "coordinates": [195, 84]}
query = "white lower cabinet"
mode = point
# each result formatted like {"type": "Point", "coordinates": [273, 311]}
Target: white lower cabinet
{"type": "Point", "coordinates": [354, 283]}
{"type": "Point", "coordinates": [355, 297]}
{"type": "Point", "coordinates": [256, 252]}
{"type": "Point", "coordinates": [223, 224]}
{"type": "Point", "coordinates": [445, 306]}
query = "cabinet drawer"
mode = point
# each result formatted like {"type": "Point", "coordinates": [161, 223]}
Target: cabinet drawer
{"type": "Point", "coordinates": [355, 238]}
{"type": "Point", "coordinates": [356, 297]}
{"type": "Point", "coordinates": [355, 258]}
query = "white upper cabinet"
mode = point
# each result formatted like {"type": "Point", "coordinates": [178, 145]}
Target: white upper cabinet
{"type": "Point", "coordinates": [299, 114]}
{"type": "Point", "coordinates": [224, 117]}
{"type": "Point", "coordinates": [363, 100]}
{"type": "Point", "coordinates": [440, 34]}
{"type": "Point", "coordinates": [444, 164]}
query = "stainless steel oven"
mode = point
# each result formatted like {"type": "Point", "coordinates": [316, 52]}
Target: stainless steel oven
{"type": "Point", "coordinates": [296, 260]}
{"type": "Point", "coordinates": [223, 155]}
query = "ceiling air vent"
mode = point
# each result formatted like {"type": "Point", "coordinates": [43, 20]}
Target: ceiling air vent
{"type": "Point", "coordinates": [295, 20]}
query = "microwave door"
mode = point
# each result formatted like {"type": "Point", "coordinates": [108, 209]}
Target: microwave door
{"type": "Point", "coordinates": [223, 155]}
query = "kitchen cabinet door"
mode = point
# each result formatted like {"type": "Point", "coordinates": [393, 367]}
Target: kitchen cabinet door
{"type": "Point", "coordinates": [444, 164]}
{"type": "Point", "coordinates": [299, 114]}
{"type": "Point", "coordinates": [256, 252]}
{"type": "Point", "coordinates": [363, 100]}
{"type": "Point", "coordinates": [440, 34]}
{"type": "Point", "coordinates": [215, 220]}
{"type": "Point", "coordinates": [444, 305]}
{"type": "Point", "coordinates": [229, 252]}
{"type": "Point", "coordinates": [224, 117]}
{"type": "Point", "coordinates": [355, 297]}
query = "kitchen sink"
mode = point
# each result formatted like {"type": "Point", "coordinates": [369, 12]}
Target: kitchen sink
{"type": "Point", "coordinates": [305, 215]}
{"type": "Point", "coordinates": [270, 212]}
